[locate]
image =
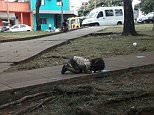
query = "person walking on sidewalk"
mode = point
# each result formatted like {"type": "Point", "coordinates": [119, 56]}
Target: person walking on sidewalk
{"type": "Point", "coordinates": [64, 26]}
{"type": "Point", "coordinates": [78, 65]}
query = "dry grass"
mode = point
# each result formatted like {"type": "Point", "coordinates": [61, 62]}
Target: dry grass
{"type": "Point", "coordinates": [95, 46]}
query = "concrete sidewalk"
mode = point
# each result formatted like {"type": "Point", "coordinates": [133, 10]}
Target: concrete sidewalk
{"type": "Point", "coordinates": [17, 51]}
{"type": "Point", "coordinates": [50, 74]}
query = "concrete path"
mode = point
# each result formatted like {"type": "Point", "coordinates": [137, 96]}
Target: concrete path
{"type": "Point", "coordinates": [50, 74]}
{"type": "Point", "coordinates": [20, 50]}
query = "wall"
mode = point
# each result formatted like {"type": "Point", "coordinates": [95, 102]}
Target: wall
{"type": "Point", "coordinates": [15, 6]}
{"type": "Point", "coordinates": [50, 20]}
{"type": "Point", "coordinates": [21, 9]}
{"type": "Point", "coordinates": [51, 5]}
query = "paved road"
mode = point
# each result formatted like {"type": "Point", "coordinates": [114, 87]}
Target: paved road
{"type": "Point", "coordinates": [20, 50]}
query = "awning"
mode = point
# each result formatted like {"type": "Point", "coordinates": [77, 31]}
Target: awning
{"type": "Point", "coordinates": [5, 15]}
{"type": "Point", "coordinates": [54, 12]}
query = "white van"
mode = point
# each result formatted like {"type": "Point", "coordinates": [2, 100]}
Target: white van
{"type": "Point", "coordinates": [105, 16]}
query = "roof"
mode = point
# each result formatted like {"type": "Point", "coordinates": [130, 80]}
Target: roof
{"type": "Point", "coordinates": [54, 12]}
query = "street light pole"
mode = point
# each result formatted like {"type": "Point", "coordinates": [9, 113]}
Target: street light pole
{"type": "Point", "coordinates": [8, 18]}
{"type": "Point", "coordinates": [62, 16]}
{"type": "Point", "coordinates": [153, 17]}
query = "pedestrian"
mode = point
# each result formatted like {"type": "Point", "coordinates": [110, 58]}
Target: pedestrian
{"type": "Point", "coordinates": [50, 27]}
{"type": "Point", "coordinates": [77, 64]}
{"type": "Point", "coordinates": [64, 27]}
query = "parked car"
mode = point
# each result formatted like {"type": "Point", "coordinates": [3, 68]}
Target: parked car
{"type": "Point", "coordinates": [4, 28]}
{"type": "Point", "coordinates": [141, 19]}
{"type": "Point", "coordinates": [105, 16]}
{"type": "Point", "coordinates": [19, 28]}
{"type": "Point", "coordinates": [149, 18]}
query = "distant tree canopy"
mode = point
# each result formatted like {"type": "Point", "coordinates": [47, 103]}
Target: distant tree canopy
{"type": "Point", "coordinates": [96, 3]}
{"type": "Point", "coordinates": [146, 6]}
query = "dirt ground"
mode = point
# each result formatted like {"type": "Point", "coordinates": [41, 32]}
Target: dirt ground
{"type": "Point", "coordinates": [125, 92]}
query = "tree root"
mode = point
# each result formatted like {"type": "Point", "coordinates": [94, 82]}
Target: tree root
{"type": "Point", "coordinates": [84, 90]}
{"type": "Point", "coordinates": [116, 100]}
{"type": "Point", "coordinates": [23, 99]}
{"type": "Point", "coordinates": [34, 107]}
{"type": "Point", "coordinates": [85, 111]}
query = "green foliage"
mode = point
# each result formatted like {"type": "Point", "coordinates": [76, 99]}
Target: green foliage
{"type": "Point", "coordinates": [97, 3]}
{"type": "Point", "coordinates": [147, 6]}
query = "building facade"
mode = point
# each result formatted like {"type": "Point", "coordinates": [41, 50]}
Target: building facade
{"type": "Point", "coordinates": [51, 13]}
{"type": "Point", "coordinates": [15, 12]}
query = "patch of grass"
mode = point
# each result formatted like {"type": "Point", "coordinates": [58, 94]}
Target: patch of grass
{"type": "Point", "coordinates": [119, 29]}
{"type": "Point", "coordinates": [95, 46]}
{"type": "Point", "coordinates": [15, 35]}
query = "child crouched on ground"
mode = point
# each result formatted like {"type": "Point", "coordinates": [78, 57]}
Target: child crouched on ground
{"type": "Point", "coordinates": [78, 65]}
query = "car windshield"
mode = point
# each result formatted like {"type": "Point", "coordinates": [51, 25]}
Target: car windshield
{"type": "Point", "coordinates": [15, 26]}
{"type": "Point", "coordinates": [91, 14]}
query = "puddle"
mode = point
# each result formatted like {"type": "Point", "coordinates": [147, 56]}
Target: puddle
{"type": "Point", "coordinates": [140, 56]}
{"type": "Point", "coordinates": [105, 70]}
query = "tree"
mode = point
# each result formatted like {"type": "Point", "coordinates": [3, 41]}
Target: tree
{"type": "Point", "coordinates": [38, 21]}
{"type": "Point", "coordinates": [98, 3]}
{"type": "Point", "coordinates": [129, 27]}
{"type": "Point", "coordinates": [147, 6]}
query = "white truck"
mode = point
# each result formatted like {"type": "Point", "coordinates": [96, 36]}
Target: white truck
{"type": "Point", "coordinates": [105, 16]}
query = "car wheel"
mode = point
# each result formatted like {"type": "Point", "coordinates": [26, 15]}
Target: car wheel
{"type": "Point", "coordinates": [96, 24]}
{"type": "Point", "coordinates": [119, 23]}
{"type": "Point", "coordinates": [150, 21]}
{"type": "Point", "coordinates": [144, 22]}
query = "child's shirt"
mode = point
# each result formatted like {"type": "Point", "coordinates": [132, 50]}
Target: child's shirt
{"type": "Point", "coordinates": [82, 62]}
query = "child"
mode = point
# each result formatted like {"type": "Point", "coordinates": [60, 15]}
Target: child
{"type": "Point", "coordinates": [78, 64]}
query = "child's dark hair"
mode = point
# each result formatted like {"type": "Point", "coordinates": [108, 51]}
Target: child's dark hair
{"type": "Point", "coordinates": [97, 64]}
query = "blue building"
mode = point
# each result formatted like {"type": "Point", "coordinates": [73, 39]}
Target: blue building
{"type": "Point", "coordinates": [50, 13]}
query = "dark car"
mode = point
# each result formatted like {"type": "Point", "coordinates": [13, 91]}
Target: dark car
{"type": "Point", "coordinates": [149, 20]}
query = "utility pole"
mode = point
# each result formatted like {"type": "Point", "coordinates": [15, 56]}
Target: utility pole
{"type": "Point", "coordinates": [8, 18]}
{"type": "Point", "coordinates": [153, 17]}
{"type": "Point", "coordinates": [95, 3]}
{"type": "Point", "coordinates": [62, 15]}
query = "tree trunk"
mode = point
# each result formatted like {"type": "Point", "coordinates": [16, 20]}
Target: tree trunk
{"type": "Point", "coordinates": [38, 21]}
{"type": "Point", "coordinates": [129, 27]}
{"type": "Point", "coordinates": [153, 17]}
